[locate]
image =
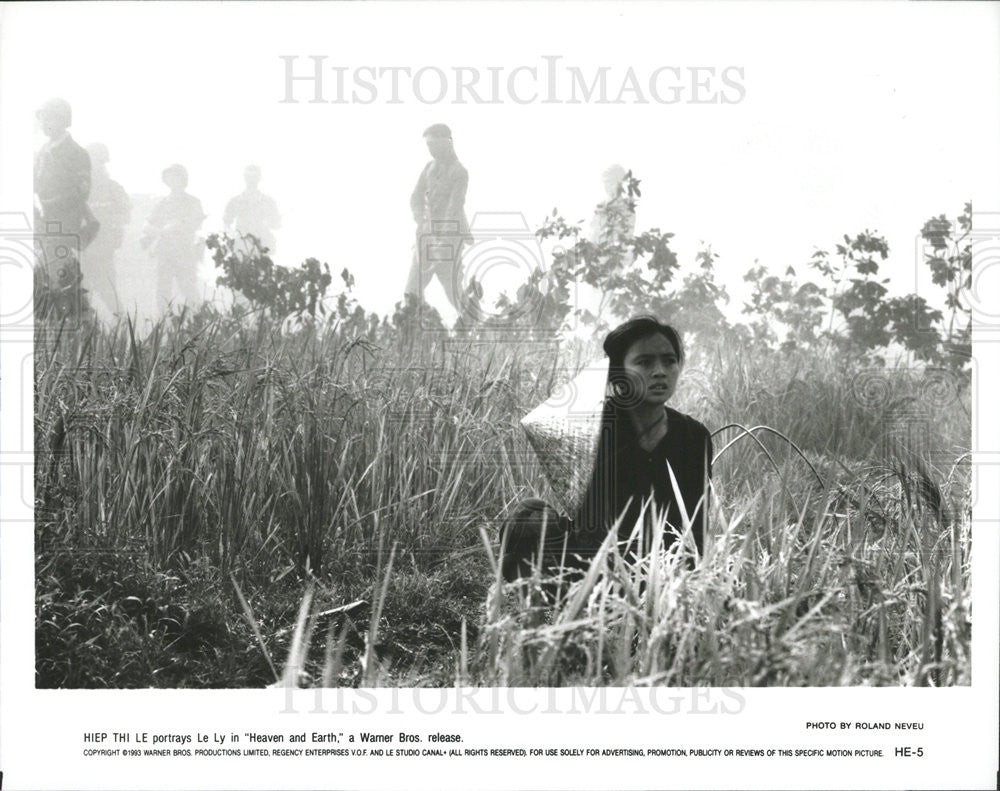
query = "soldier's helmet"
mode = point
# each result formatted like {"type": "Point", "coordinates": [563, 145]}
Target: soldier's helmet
{"type": "Point", "coordinates": [175, 174]}
{"type": "Point", "coordinates": [56, 111]}
{"type": "Point", "coordinates": [438, 130]}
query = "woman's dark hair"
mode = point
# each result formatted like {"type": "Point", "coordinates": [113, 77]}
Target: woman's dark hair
{"type": "Point", "coordinates": [617, 344]}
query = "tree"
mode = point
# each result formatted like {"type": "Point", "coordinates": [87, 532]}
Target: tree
{"type": "Point", "coordinates": [785, 304]}
{"type": "Point", "coordinates": [626, 269]}
{"type": "Point", "coordinates": [871, 319]}
{"type": "Point", "coordinates": [950, 262]}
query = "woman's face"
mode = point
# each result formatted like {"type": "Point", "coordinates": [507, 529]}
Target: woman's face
{"type": "Point", "coordinates": [652, 365]}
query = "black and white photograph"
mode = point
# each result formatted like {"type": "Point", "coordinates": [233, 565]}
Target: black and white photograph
{"type": "Point", "coordinates": [499, 395]}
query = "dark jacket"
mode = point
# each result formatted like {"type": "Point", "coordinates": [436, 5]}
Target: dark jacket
{"type": "Point", "coordinates": [623, 474]}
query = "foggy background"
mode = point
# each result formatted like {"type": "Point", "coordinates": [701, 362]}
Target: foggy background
{"type": "Point", "coordinates": [848, 123]}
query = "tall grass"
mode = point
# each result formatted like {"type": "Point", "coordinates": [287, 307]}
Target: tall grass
{"type": "Point", "coordinates": [248, 444]}
{"type": "Point", "coordinates": [779, 598]}
{"type": "Point", "coordinates": [201, 451]}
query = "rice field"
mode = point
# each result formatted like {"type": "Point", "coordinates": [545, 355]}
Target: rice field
{"type": "Point", "coordinates": [225, 502]}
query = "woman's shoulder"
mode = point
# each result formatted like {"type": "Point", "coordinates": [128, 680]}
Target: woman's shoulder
{"type": "Point", "coordinates": [689, 423]}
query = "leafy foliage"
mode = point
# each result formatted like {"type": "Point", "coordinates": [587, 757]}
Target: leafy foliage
{"type": "Point", "coordinates": [626, 268]}
{"type": "Point", "coordinates": [848, 307]}
{"type": "Point", "coordinates": [950, 262]}
{"type": "Point", "coordinates": [777, 301]}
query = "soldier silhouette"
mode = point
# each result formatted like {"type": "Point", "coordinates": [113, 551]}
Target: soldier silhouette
{"type": "Point", "coordinates": [110, 205]}
{"type": "Point", "coordinates": [253, 212]}
{"type": "Point", "coordinates": [63, 223]}
{"type": "Point", "coordinates": [170, 236]}
{"type": "Point", "coordinates": [438, 205]}
{"type": "Point", "coordinates": [614, 217]}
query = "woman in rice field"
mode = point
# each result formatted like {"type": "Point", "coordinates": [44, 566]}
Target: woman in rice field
{"type": "Point", "coordinates": [642, 441]}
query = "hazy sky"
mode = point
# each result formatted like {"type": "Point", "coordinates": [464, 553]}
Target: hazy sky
{"type": "Point", "coordinates": [850, 116]}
